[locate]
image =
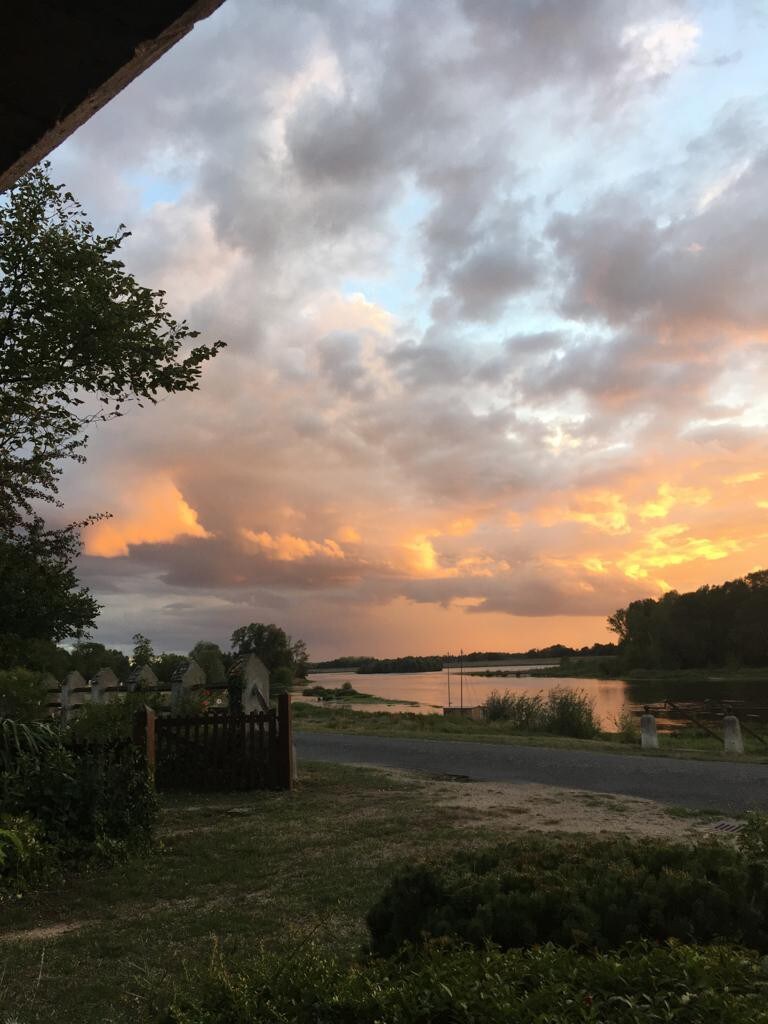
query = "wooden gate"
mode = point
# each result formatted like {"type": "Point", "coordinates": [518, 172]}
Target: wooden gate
{"type": "Point", "coordinates": [219, 750]}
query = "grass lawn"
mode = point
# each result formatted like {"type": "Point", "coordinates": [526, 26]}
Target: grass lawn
{"type": "Point", "coordinates": [240, 868]}
{"type": "Point", "coordinates": [689, 744]}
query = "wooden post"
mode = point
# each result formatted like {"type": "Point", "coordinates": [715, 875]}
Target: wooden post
{"type": "Point", "coordinates": [144, 734]}
{"type": "Point", "coordinates": [285, 771]}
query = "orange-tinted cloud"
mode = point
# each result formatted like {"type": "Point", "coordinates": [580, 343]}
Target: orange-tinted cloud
{"type": "Point", "coordinates": [287, 548]}
{"type": "Point", "coordinates": [156, 512]}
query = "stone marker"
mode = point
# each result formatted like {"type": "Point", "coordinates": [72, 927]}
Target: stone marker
{"type": "Point", "coordinates": [141, 678]}
{"type": "Point", "coordinates": [255, 680]}
{"type": "Point", "coordinates": [649, 739]}
{"type": "Point", "coordinates": [732, 740]}
{"type": "Point", "coordinates": [74, 693]}
{"type": "Point", "coordinates": [103, 685]}
{"type": "Point", "coordinates": [187, 679]}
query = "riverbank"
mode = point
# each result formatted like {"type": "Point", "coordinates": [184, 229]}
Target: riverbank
{"type": "Point", "coordinates": [609, 668]}
{"type": "Point", "coordinates": [347, 694]}
{"type": "Point", "coordinates": [688, 744]}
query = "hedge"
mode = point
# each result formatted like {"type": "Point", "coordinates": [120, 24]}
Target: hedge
{"type": "Point", "coordinates": [578, 892]}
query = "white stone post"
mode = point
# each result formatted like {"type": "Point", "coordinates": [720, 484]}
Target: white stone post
{"type": "Point", "coordinates": [649, 739]}
{"type": "Point", "coordinates": [732, 739]}
{"type": "Point", "coordinates": [74, 693]}
{"type": "Point", "coordinates": [103, 685]}
{"type": "Point", "coordinates": [191, 678]}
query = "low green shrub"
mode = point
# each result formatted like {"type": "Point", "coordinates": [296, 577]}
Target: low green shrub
{"type": "Point", "coordinates": [448, 985]}
{"type": "Point", "coordinates": [85, 798]}
{"type": "Point", "coordinates": [113, 720]}
{"type": "Point", "coordinates": [562, 711]}
{"type": "Point", "coordinates": [19, 738]}
{"type": "Point", "coordinates": [23, 695]}
{"type": "Point", "coordinates": [24, 857]}
{"type": "Point", "coordinates": [577, 892]}
{"type": "Point", "coordinates": [627, 728]}
{"type": "Point", "coordinates": [332, 692]}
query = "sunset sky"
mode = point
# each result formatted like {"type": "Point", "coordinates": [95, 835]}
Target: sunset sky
{"type": "Point", "coordinates": [493, 277]}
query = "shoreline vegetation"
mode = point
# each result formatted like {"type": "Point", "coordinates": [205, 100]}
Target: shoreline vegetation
{"type": "Point", "coordinates": [346, 693]}
{"type": "Point", "coordinates": [687, 743]}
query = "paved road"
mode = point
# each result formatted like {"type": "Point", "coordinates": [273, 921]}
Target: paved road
{"type": "Point", "coordinates": [695, 784]}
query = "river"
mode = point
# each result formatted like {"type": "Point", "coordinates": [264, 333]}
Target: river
{"type": "Point", "coordinates": [430, 690]}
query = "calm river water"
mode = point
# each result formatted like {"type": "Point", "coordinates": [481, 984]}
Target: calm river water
{"type": "Point", "coordinates": [430, 690]}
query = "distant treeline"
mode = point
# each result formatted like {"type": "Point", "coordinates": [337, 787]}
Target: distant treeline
{"type": "Point", "coordinates": [433, 663]}
{"type": "Point", "coordinates": [365, 665]}
{"type": "Point", "coordinates": [712, 627]}
{"type": "Point", "coordinates": [535, 654]}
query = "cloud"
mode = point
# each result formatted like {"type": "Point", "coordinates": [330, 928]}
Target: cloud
{"type": "Point", "coordinates": [496, 314]}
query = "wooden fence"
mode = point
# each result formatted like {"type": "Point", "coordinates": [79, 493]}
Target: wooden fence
{"type": "Point", "coordinates": [219, 750]}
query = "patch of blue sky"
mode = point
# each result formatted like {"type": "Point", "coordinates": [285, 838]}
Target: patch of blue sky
{"type": "Point", "coordinates": [651, 136]}
{"type": "Point", "coordinates": [398, 288]}
{"type": "Point", "coordinates": [155, 188]}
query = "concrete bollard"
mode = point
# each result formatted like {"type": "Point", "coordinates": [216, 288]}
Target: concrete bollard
{"type": "Point", "coordinates": [732, 739]}
{"type": "Point", "coordinates": [649, 739]}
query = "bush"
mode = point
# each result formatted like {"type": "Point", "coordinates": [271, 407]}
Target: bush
{"type": "Point", "coordinates": [448, 985]}
{"type": "Point", "coordinates": [563, 711]}
{"type": "Point", "coordinates": [20, 738]}
{"type": "Point", "coordinates": [627, 729]}
{"type": "Point", "coordinates": [281, 679]}
{"type": "Point", "coordinates": [577, 892]}
{"type": "Point", "coordinates": [23, 696]}
{"type": "Point", "coordinates": [105, 723]}
{"type": "Point", "coordinates": [23, 855]}
{"type": "Point", "coordinates": [86, 799]}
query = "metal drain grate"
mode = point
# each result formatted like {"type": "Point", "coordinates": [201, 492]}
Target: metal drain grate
{"type": "Point", "coordinates": [727, 826]}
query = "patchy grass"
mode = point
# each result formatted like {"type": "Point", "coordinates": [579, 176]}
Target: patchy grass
{"type": "Point", "coordinates": [684, 744]}
{"type": "Point", "coordinates": [278, 867]}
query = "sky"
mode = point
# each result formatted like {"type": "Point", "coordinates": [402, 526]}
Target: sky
{"type": "Point", "coordinates": [493, 278]}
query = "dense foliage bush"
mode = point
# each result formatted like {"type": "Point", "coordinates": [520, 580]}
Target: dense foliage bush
{"type": "Point", "coordinates": [23, 855]}
{"type": "Point", "coordinates": [578, 892]}
{"type": "Point", "coordinates": [23, 695]}
{"type": "Point", "coordinates": [66, 800]}
{"type": "Point", "coordinates": [562, 711]}
{"type": "Point", "coordinates": [88, 798]}
{"type": "Point", "coordinates": [448, 985]}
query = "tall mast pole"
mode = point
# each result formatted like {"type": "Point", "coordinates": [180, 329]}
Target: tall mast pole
{"type": "Point", "coordinates": [461, 676]}
{"type": "Point", "coordinates": [448, 662]}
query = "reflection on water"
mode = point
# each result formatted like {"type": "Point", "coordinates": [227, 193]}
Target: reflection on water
{"type": "Point", "coordinates": [430, 691]}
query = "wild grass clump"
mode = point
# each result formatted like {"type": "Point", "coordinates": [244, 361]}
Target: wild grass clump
{"type": "Point", "coordinates": [447, 983]}
{"type": "Point", "coordinates": [562, 711]}
{"type": "Point", "coordinates": [626, 728]}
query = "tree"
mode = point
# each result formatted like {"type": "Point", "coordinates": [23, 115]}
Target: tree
{"type": "Point", "coordinates": [143, 652]}
{"type": "Point", "coordinates": [88, 657]}
{"type": "Point", "coordinates": [211, 660]}
{"type": "Point", "coordinates": [79, 339]}
{"type": "Point", "coordinates": [40, 597]}
{"type": "Point", "coordinates": [272, 645]}
{"type": "Point", "coordinates": [165, 665]}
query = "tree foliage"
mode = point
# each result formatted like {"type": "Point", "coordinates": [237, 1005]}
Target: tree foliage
{"type": "Point", "coordinates": [40, 596]}
{"type": "Point", "coordinates": [79, 339]}
{"type": "Point", "coordinates": [79, 336]}
{"type": "Point", "coordinates": [712, 627]}
{"type": "Point", "coordinates": [272, 645]}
